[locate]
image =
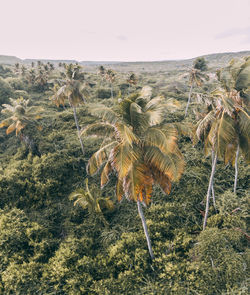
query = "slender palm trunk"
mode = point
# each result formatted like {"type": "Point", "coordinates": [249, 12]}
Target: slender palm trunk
{"type": "Point", "coordinates": [212, 188]}
{"type": "Point", "coordinates": [145, 229]}
{"type": "Point", "coordinates": [236, 168]}
{"type": "Point", "coordinates": [189, 99]}
{"type": "Point", "coordinates": [209, 190]}
{"type": "Point", "coordinates": [78, 128]}
{"type": "Point", "coordinates": [111, 85]}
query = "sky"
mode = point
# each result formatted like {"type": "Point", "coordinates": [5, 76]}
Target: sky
{"type": "Point", "coordinates": [123, 30]}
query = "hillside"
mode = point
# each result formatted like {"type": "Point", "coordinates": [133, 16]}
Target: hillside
{"type": "Point", "coordinates": [6, 59]}
{"type": "Point", "coordinates": [81, 220]}
{"type": "Point", "coordinates": [216, 60]}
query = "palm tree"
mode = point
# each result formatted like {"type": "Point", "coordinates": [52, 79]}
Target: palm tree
{"type": "Point", "coordinates": [102, 72]}
{"type": "Point", "coordinates": [196, 77]}
{"type": "Point", "coordinates": [23, 70]}
{"type": "Point", "coordinates": [132, 80]}
{"type": "Point", "coordinates": [17, 68]}
{"type": "Point", "coordinates": [73, 91]}
{"type": "Point", "coordinates": [138, 148]}
{"type": "Point", "coordinates": [19, 116]}
{"type": "Point", "coordinates": [110, 77]}
{"type": "Point", "coordinates": [93, 202]}
{"type": "Point", "coordinates": [235, 80]}
{"type": "Point", "coordinates": [32, 76]}
{"type": "Point", "coordinates": [224, 130]}
{"type": "Point", "coordinates": [42, 79]}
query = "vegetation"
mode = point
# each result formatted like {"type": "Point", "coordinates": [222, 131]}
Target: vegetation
{"type": "Point", "coordinates": [60, 233]}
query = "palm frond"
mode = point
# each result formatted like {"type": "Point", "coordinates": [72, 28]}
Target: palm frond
{"type": "Point", "coordinates": [162, 179]}
{"type": "Point", "coordinates": [125, 134]}
{"type": "Point", "coordinates": [204, 124]}
{"type": "Point", "coordinates": [122, 157]}
{"type": "Point", "coordinates": [99, 158]}
{"type": "Point", "coordinates": [146, 92]}
{"type": "Point", "coordinates": [100, 129]}
{"type": "Point", "coordinates": [154, 111]}
{"type": "Point", "coordinates": [165, 141]}
{"type": "Point", "coordinates": [171, 164]}
{"type": "Point", "coordinates": [226, 134]}
{"type": "Point", "coordinates": [105, 174]}
{"type": "Point", "coordinates": [138, 183]}
{"type": "Point", "coordinates": [104, 113]}
{"type": "Point", "coordinates": [11, 128]}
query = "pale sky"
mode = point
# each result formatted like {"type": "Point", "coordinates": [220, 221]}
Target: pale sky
{"type": "Point", "coordinates": [123, 30]}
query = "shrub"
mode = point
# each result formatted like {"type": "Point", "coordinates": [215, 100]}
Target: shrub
{"type": "Point", "coordinates": [103, 93]}
{"type": "Point", "coordinates": [5, 91]}
{"type": "Point", "coordinates": [16, 83]}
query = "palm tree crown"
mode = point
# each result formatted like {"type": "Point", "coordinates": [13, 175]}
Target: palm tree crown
{"type": "Point", "coordinates": [19, 115]}
{"type": "Point", "coordinates": [140, 149]}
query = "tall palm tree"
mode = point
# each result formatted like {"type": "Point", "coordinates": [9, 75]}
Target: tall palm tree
{"type": "Point", "coordinates": [235, 79]}
{"type": "Point", "coordinates": [72, 90]}
{"type": "Point", "coordinates": [17, 68]}
{"type": "Point", "coordinates": [20, 115]}
{"type": "Point", "coordinates": [138, 148]}
{"type": "Point", "coordinates": [110, 77]}
{"type": "Point", "coordinates": [224, 130]}
{"type": "Point", "coordinates": [196, 78]}
{"type": "Point", "coordinates": [102, 72]}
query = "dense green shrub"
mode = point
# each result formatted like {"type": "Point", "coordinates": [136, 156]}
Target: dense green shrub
{"type": "Point", "coordinates": [5, 91]}
{"type": "Point", "coordinates": [103, 93]}
{"type": "Point", "coordinates": [16, 83]}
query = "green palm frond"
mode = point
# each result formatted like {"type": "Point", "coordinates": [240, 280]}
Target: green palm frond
{"type": "Point", "coordinates": [100, 129]}
{"type": "Point", "coordinates": [122, 157]}
{"type": "Point", "coordinates": [125, 134]}
{"type": "Point", "coordinates": [204, 124]}
{"type": "Point", "coordinates": [165, 141]}
{"type": "Point", "coordinates": [225, 134]}
{"type": "Point", "coordinates": [146, 93]}
{"type": "Point", "coordinates": [104, 113]}
{"type": "Point", "coordinates": [244, 134]}
{"type": "Point", "coordinates": [154, 111]}
{"type": "Point", "coordinates": [99, 158]}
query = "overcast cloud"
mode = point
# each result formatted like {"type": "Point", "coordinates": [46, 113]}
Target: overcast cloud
{"type": "Point", "coordinates": [126, 30]}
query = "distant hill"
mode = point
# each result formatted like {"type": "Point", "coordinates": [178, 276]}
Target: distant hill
{"type": "Point", "coordinates": [216, 60]}
{"type": "Point", "coordinates": [55, 61]}
{"type": "Point", "coordinates": [9, 60]}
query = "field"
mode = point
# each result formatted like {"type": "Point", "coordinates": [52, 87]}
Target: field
{"type": "Point", "coordinates": [61, 233]}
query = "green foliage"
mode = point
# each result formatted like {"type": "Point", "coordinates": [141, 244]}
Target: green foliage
{"type": "Point", "coordinates": [49, 246]}
{"type": "Point", "coordinates": [103, 93]}
{"type": "Point", "coordinates": [200, 64]}
{"type": "Point", "coordinates": [5, 91]}
{"type": "Point", "coordinates": [218, 260]}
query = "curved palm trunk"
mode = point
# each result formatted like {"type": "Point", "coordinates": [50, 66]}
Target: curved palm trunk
{"type": "Point", "coordinates": [236, 168]}
{"type": "Point", "coordinates": [78, 128]}
{"type": "Point", "coordinates": [210, 189]}
{"type": "Point", "coordinates": [189, 99]}
{"type": "Point", "coordinates": [145, 229]}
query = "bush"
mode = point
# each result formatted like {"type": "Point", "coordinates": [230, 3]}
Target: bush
{"type": "Point", "coordinates": [16, 83]}
{"type": "Point", "coordinates": [5, 91]}
{"type": "Point", "coordinates": [103, 93]}
{"type": "Point", "coordinates": [218, 261]}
